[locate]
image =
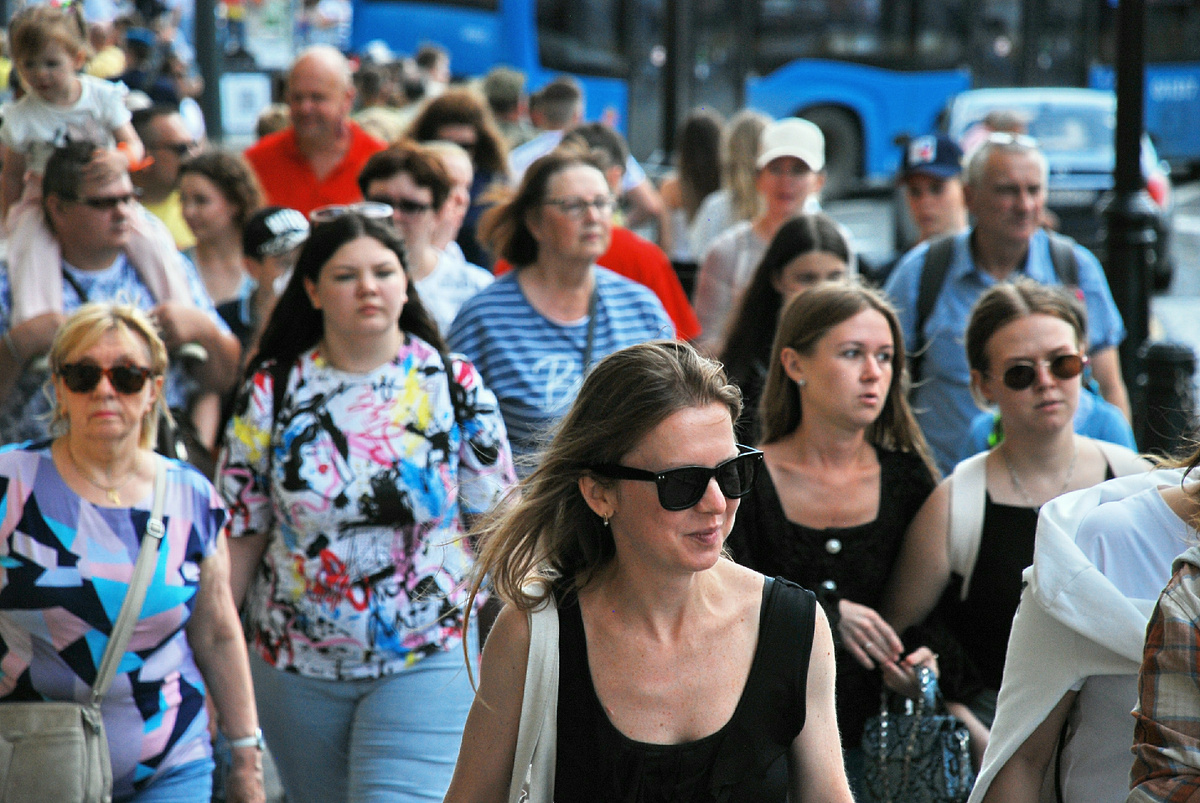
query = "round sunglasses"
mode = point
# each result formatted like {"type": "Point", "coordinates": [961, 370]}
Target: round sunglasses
{"type": "Point", "coordinates": [83, 377]}
{"type": "Point", "coordinates": [1064, 366]}
{"type": "Point", "coordinates": [681, 488]}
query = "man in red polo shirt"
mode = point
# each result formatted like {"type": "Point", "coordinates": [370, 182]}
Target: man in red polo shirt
{"type": "Point", "coordinates": [316, 160]}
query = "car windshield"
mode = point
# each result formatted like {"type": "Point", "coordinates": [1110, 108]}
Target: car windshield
{"type": "Point", "coordinates": [1058, 128]}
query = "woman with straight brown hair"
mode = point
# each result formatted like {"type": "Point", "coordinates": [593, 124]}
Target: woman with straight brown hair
{"type": "Point", "coordinates": [846, 471]}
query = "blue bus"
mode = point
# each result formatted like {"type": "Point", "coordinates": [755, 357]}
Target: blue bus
{"type": "Point", "coordinates": [866, 71]}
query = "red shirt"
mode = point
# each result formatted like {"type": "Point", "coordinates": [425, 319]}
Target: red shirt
{"type": "Point", "coordinates": [644, 262]}
{"type": "Point", "coordinates": [288, 178]}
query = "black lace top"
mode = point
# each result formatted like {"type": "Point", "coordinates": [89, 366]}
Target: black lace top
{"type": "Point", "coordinates": [746, 760]}
{"type": "Point", "coordinates": [853, 563]}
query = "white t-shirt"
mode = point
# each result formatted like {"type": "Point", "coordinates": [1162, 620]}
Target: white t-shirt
{"type": "Point", "coordinates": [1132, 542]}
{"type": "Point", "coordinates": [451, 283]}
{"type": "Point", "coordinates": [34, 128]}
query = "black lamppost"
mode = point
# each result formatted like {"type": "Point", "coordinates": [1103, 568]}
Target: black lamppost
{"type": "Point", "coordinates": [208, 59]}
{"type": "Point", "coordinates": [1130, 215]}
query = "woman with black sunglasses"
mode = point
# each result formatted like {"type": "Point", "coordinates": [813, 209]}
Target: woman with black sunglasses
{"type": "Point", "coordinates": [846, 471]}
{"type": "Point", "coordinates": [357, 456]}
{"type": "Point", "coordinates": [974, 536]}
{"type": "Point", "coordinates": [77, 513]}
{"type": "Point", "coordinates": [681, 675]}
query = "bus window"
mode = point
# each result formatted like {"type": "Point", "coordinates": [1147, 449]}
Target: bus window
{"type": "Point", "coordinates": [582, 36]}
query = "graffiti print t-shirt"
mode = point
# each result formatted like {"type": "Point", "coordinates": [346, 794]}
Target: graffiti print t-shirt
{"type": "Point", "coordinates": [362, 480]}
{"type": "Point", "coordinates": [535, 365]}
{"type": "Point", "coordinates": [65, 566]}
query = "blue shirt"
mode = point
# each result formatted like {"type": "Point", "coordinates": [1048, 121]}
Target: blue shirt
{"type": "Point", "coordinates": [1094, 417]}
{"type": "Point", "coordinates": [943, 402]}
{"type": "Point", "coordinates": [535, 365]}
{"type": "Point", "coordinates": [25, 413]}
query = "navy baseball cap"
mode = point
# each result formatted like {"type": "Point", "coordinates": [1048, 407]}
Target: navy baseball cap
{"type": "Point", "coordinates": [937, 156]}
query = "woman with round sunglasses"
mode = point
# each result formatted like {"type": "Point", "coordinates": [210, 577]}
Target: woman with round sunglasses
{"type": "Point", "coordinates": [846, 471]}
{"type": "Point", "coordinates": [77, 510]}
{"type": "Point", "coordinates": [974, 536]}
{"type": "Point", "coordinates": [357, 456]}
{"type": "Point", "coordinates": [537, 331]}
{"type": "Point", "coordinates": [681, 675]}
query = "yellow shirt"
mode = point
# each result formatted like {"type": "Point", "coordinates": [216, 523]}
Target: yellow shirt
{"type": "Point", "coordinates": [108, 63]}
{"type": "Point", "coordinates": [170, 212]}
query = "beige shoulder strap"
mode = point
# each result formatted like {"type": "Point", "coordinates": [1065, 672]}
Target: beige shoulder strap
{"type": "Point", "coordinates": [968, 495]}
{"type": "Point", "coordinates": [1122, 460]}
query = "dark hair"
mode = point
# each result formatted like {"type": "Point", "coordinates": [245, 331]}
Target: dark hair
{"type": "Point", "coordinates": [699, 149]}
{"type": "Point", "coordinates": [559, 101]}
{"type": "Point", "coordinates": [805, 322]}
{"type": "Point", "coordinates": [502, 228]}
{"type": "Point", "coordinates": [406, 156]}
{"type": "Point", "coordinates": [429, 54]}
{"type": "Point", "coordinates": [143, 119]}
{"type": "Point", "coordinates": [753, 329]}
{"type": "Point", "coordinates": [1004, 303]}
{"type": "Point", "coordinates": [296, 326]}
{"type": "Point", "coordinates": [63, 176]}
{"type": "Point", "coordinates": [233, 177]}
{"type": "Point", "coordinates": [34, 27]}
{"type": "Point", "coordinates": [604, 141]}
{"type": "Point", "coordinates": [548, 530]}
{"type": "Point", "coordinates": [464, 107]}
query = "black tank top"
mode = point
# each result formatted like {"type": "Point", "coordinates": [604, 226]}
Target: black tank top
{"type": "Point", "coordinates": [746, 760]}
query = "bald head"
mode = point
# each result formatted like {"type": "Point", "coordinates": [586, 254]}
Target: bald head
{"type": "Point", "coordinates": [320, 94]}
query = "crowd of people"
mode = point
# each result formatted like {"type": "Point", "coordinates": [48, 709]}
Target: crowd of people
{"type": "Point", "coordinates": [433, 388]}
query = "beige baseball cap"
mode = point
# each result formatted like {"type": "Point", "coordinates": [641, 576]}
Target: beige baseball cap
{"type": "Point", "coordinates": [792, 136]}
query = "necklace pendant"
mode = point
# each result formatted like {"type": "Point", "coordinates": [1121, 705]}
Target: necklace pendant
{"type": "Point", "coordinates": [114, 496]}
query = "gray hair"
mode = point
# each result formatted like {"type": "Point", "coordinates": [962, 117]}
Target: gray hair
{"type": "Point", "coordinates": [1001, 142]}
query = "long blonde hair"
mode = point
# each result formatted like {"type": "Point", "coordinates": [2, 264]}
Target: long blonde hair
{"type": "Point", "coordinates": [739, 157]}
{"type": "Point", "coordinates": [546, 530]}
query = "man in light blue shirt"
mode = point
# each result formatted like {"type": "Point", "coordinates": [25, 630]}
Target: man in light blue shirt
{"type": "Point", "coordinates": [1006, 195]}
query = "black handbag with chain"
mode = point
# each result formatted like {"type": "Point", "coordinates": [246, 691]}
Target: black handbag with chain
{"type": "Point", "coordinates": [916, 756]}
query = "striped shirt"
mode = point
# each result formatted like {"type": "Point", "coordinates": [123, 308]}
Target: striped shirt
{"type": "Point", "coordinates": [1166, 736]}
{"type": "Point", "coordinates": [534, 365]}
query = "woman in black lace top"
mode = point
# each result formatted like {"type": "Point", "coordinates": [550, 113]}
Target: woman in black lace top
{"type": "Point", "coordinates": [847, 469]}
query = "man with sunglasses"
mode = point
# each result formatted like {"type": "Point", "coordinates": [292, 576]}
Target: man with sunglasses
{"type": "Point", "coordinates": [90, 214]}
{"type": "Point", "coordinates": [413, 181]}
{"type": "Point", "coordinates": [1005, 191]}
{"type": "Point", "coordinates": [168, 142]}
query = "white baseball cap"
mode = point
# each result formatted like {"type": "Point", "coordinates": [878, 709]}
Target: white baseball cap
{"type": "Point", "coordinates": [792, 136]}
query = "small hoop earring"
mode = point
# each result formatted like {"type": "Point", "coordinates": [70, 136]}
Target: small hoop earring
{"type": "Point", "coordinates": [605, 521]}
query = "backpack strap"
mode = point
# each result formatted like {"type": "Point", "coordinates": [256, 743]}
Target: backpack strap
{"type": "Point", "coordinates": [1062, 257]}
{"type": "Point", "coordinates": [1121, 460]}
{"type": "Point", "coordinates": [968, 497]}
{"type": "Point", "coordinates": [933, 276]}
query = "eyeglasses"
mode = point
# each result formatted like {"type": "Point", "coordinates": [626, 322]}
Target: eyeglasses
{"type": "Point", "coordinates": [577, 207]}
{"type": "Point", "coordinates": [110, 202]}
{"type": "Point", "coordinates": [404, 206]}
{"type": "Point", "coordinates": [681, 488]}
{"type": "Point", "coordinates": [177, 148]}
{"type": "Point", "coordinates": [1008, 138]}
{"type": "Point", "coordinates": [83, 377]}
{"type": "Point", "coordinates": [368, 209]}
{"type": "Point", "coordinates": [1064, 366]}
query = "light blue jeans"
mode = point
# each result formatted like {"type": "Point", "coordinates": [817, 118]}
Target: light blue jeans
{"type": "Point", "coordinates": [186, 783]}
{"type": "Point", "coordinates": [391, 739]}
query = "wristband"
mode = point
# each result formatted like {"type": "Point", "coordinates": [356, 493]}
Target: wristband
{"type": "Point", "coordinates": [254, 740]}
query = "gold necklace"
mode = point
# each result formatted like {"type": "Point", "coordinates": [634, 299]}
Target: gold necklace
{"type": "Point", "coordinates": [113, 492]}
{"type": "Point", "coordinates": [1016, 483]}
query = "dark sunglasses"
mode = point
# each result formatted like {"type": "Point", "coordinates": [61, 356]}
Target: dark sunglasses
{"type": "Point", "coordinates": [404, 206]}
{"type": "Point", "coordinates": [83, 377]}
{"type": "Point", "coordinates": [681, 488]}
{"type": "Point", "coordinates": [1064, 366]}
{"type": "Point", "coordinates": [109, 203]}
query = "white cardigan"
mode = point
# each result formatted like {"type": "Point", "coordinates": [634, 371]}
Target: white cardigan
{"type": "Point", "coordinates": [1072, 623]}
